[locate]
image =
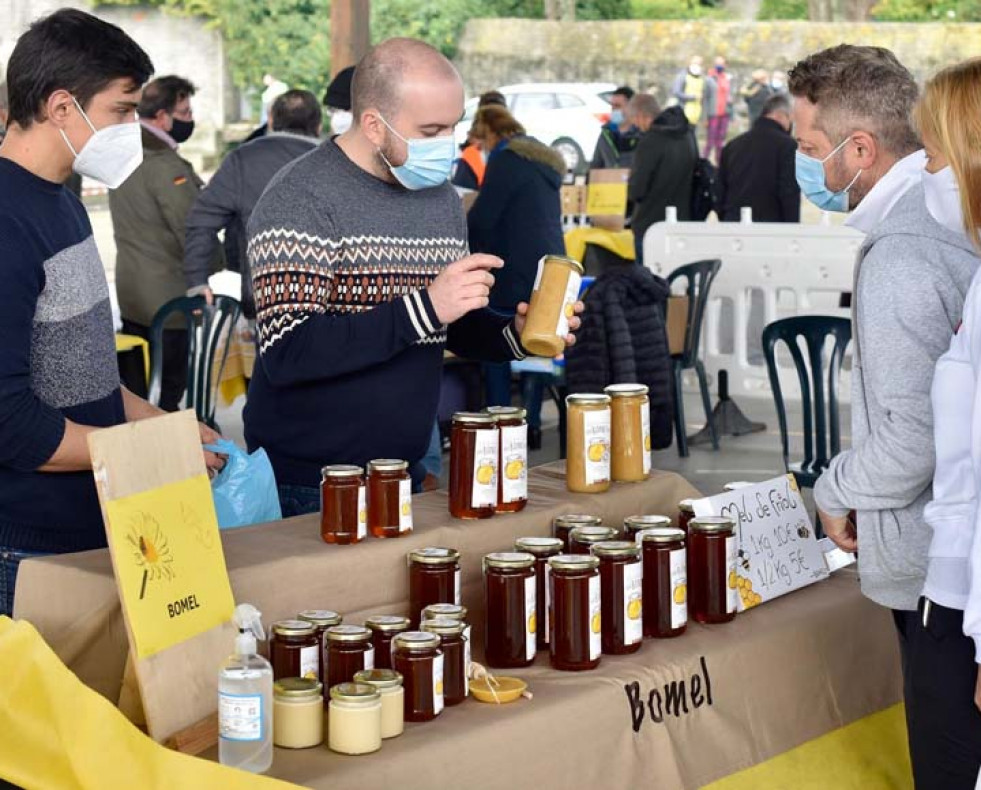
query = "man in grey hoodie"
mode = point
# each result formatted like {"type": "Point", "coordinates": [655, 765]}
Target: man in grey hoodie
{"type": "Point", "coordinates": [858, 152]}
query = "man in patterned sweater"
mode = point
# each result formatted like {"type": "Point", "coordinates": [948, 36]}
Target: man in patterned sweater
{"type": "Point", "coordinates": [362, 277]}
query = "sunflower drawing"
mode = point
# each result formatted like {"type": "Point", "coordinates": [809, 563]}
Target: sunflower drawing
{"type": "Point", "coordinates": [150, 550]}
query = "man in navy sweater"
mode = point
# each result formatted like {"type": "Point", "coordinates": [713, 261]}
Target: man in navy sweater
{"type": "Point", "coordinates": [74, 83]}
{"type": "Point", "coordinates": [362, 277]}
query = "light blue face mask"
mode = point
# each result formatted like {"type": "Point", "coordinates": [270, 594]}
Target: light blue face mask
{"type": "Point", "coordinates": [810, 178]}
{"type": "Point", "coordinates": [616, 117]}
{"type": "Point", "coordinates": [429, 162]}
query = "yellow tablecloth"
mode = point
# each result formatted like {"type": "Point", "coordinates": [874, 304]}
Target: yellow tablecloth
{"type": "Point", "coordinates": [240, 363]}
{"type": "Point", "coordinates": [618, 242]}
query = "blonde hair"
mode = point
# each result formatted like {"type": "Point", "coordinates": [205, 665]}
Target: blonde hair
{"type": "Point", "coordinates": [949, 115]}
{"type": "Point", "coordinates": [495, 120]}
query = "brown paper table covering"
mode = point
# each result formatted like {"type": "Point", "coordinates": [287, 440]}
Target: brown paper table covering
{"type": "Point", "coordinates": [284, 567]}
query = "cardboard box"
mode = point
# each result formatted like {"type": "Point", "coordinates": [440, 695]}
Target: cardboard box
{"type": "Point", "coordinates": [677, 324]}
{"type": "Point", "coordinates": [606, 202]}
{"type": "Point", "coordinates": [573, 200]}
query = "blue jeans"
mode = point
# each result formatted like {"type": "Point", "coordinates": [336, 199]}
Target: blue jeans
{"type": "Point", "coordinates": [497, 383]}
{"type": "Point", "coordinates": [10, 560]}
{"type": "Point", "coordinates": [433, 459]}
{"type": "Point", "coordinates": [298, 500]}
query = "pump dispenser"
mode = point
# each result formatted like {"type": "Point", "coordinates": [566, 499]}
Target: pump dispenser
{"type": "Point", "coordinates": [245, 698]}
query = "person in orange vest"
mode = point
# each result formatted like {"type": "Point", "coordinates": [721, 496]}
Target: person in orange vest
{"type": "Point", "coordinates": [470, 167]}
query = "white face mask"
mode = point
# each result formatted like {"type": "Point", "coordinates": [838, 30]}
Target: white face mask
{"type": "Point", "coordinates": [943, 199]}
{"type": "Point", "coordinates": [111, 153]}
{"type": "Point", "coordinates": [341, 121]}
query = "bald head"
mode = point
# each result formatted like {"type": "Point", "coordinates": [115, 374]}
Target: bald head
{"type": "Point", "coordinates": [381, 77]}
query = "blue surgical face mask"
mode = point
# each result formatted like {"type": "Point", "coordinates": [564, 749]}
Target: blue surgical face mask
{"type": "Point", "coordinates": [429, 161]}
{"type": "Point", "coordinates": [616, 117]}
{"type": "Point", "coordinates": [810, 178]}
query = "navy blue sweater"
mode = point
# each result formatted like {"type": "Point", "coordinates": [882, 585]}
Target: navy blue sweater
{"type": "Point", "coordinates": [57, 361]}
{"type": "Point", "coordinates": [350, 348]}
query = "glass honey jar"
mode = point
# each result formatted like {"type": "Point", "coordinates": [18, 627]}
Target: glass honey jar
{"type": "Point", "coordinates": [512, 462]}
{"type": "Point", "coordinates": [588, 443]}
{"type": "Point", "coordinates": [621, 595]}
{"type": "Point", "coordinates": [451, 611]}
{"type": "Point", "coordinates": [563, 525]}
{"type": "Point", "coordinates": [474, 455]}
{"type": "Point", "coordinates": [575, 640]}
{"type": "Point", "coordinates": [434, 577]}
{"type": "Point", "coordinates": [581, 539]}
{"type": "Point", "coordinates": [389, 498]}
{"type": "Point", "coordinates": [321, 619]}
{"type": "Point", "coordinates": [456, 657]}
{"type": "Point", "coordinates": [510, 595]}
{"type": "Point", "coordinates": [343, 504]}
{"type": "Point", "coordinates": [665, 582]}
{"type": "Point", "coordinates": [552, 304]}
{"type": "Point", "coordinates": [419, 660]}
{"type": "Point", "coordinates": [630, 432]}
{"type": "Point", "coordinates": [634, 525]}
{"type": "Point", "coordinates": [541, 549]}
{"type": "Point", "coordinates": [384, 628]}
{"type": "Point", "coordinates": [349, 650]}
{"type": "Point", "coordinates": [686, 512]}
{"type": "Point", "coordinates": [294, 650]}
{"type": "Point", "coordinates": [712, 569]}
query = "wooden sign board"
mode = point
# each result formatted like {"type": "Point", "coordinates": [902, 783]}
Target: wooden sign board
{"type": "Point", "coordinates": [169, 565]}
{"type": "Point", "coordinates": [778, 551]}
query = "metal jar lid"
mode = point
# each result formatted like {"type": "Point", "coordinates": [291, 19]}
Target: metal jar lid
{"type": "Point", "coordinates": [587, 399]}
{"type": "Point", "coordinates": [509, 560]}
{"type": "Point", "coordinates": [577, 520]}
{"type": "Point", "coordinates": [637, 523]}
{"type": "Point", "coordinates": [379, 678]}
{"type": "Point", "coordinates": [387, 623]}
{"type": "Point", "coordinates": [341, 471]}
{"type": "Point", "coordinates": [476, 417]}
{"type": "Point", "coordinates": [592, 534]}
{"type": "Point", "coordinates": [434, 555]}
{"type": "Point", "coordinates": [347, 633]}
{"type": "Point", "coordinates": [507, 412]}
{"type": "Point", "coordinates": [540, 547]}
{"type": "Point", "coordinates": [322, 618]}
{"type": "Point", "coordinates": [687, 506]}
{"type": "Point", "coordinates": [299, 688]}
{"type": "Point", "coordinates": [416, 641]}
{"type": "Point", "coordinates": [452, 611]}
{"type": "Point", "coordinates": [616, 549]}
{"type": "Point", "coordinates": [444, 626]}
{"type": "Point", "coordinates": [573, 562]}
{"type": "Point", "coordinates": [294, 628]}
{"type": "Point", "coordinates": [625, 390]}
{"type": "Point", "coordinates": [711, 524]}
{"type": "Point", "coordinates": [572, 263]}
{"type": "Point", "coordinates": [387, 465]}
{"type": "Point", "coordinates": [363, 693]}
{"type": "Point", "coordinates": [661, 535]}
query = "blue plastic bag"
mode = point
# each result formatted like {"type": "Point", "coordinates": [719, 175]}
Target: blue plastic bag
{"type": "Point", "coordinates": [245, 490]}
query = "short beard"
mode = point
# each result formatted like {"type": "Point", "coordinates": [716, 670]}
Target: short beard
{"type": "Point", "coordinates": [857, 192]}
{"type": "Point", "coordinates": [386, 156]}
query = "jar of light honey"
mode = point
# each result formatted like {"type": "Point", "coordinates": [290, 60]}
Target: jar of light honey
{"type": "Point", "coordinates": [588, 443]}
{"type": "Point", "coordinates": [552, 304]}
{"type": "Point", "coordinates": [630, 445]}
{"type": "Point", "coordinates": [473, 465]}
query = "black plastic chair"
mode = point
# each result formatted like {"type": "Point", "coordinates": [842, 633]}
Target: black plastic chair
{"type": "Point", "coordinates": [822, 427]}
{"type": "Point", "coordinates": [699, 276]}
{"type": "Point", "coordinates": [207, 329]}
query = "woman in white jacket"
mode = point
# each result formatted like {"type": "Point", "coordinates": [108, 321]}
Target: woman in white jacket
{"type": "Point", "coordinates": [944, 660]}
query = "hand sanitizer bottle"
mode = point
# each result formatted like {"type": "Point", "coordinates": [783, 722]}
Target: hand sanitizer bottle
{"type": "Point", "coordinates": [245, 699]}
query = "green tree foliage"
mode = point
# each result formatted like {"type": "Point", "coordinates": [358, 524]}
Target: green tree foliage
{"type": "Point", "coordinates": [783, 9]}
{"type": "Point", "coordinates": [927, 11]}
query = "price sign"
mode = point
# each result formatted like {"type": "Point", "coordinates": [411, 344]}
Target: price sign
{"type": "Point", "coordinates": [778, 551]}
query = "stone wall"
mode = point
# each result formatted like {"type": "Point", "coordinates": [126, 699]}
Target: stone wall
{"type": "Point", "coordinates": [648, 54]}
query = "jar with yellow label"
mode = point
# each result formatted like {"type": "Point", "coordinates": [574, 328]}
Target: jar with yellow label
{"type": "Point", "coordinates": [354, 719]}
{"type": "Point", "coordinates": [321, 619]}
{"type": "Point", "coordinates": [450, 611]}
{"type": "Point", "coordinates": [588, 445]}
{"type": "Point", "coordinates": [563, 525]}
{"type": "Point", "coordinates": [634, 525]}
{"type": "Point", "coordinates": [389, 498]}
{"type": "Point", "coordinates": [576, 640]}
{"type": "Point", "coordinates": [434, 577]}
{"type": "Point", "coordinates": [473, 465]}
{"type": "Point", "coordinates": [665, 582]}
{"type": "Point", "coordinates": [388, 683]}
{"type": "Point", "coordinates": [621, 595]}
{"type": "Point", "coordinates": [349, 650]}
{"type": "Point", "coordinates": [712, 569]}
{"type": "Point", "coordinates": [298, 713]}
{"type": "Point", "coordinates": [343, 504]}
{"type": "Point", "coordinates": [552, 304]}
{"type": "Point", "coordinates": [456, 653]}
{"type": "Point", "coordinates": [384, 627]}
{"type": "Point", "coordinates": [630, 432]}
{"type": "Point", "coordinates": [512, 465]}
{"type": "Point", "coordinates": [541, 549]}
{"type": "Point", "coordinates": [510, 594]}
{"type": "Point", "coordinates": [294, 650]}
{"type": "Point", "coordinates": [420, 662]}
{"type": "Point", "coordinates": [581, 539]}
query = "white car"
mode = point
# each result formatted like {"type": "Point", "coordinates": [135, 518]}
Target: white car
{"type": "Point", "coordinates": [567, 116]}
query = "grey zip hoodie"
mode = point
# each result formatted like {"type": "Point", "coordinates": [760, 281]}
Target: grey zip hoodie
{"type": "Point", "coordinates": [910, 282]}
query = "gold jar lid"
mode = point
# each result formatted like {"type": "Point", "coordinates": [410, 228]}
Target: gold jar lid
{"type": "Point", "coordinates": [626, 390]}
{"type": "Point", "coordinates": [294, 628]}
{"type": "Point", "coordinates": [577, 520]}
{"type": "Point", "coordinates": [444, 626]}
{"type": "Point", "coordinates": [416, 641]}
{"type": "Point", "coordinates": [711, 524]}
{"type": "Point", "coordinates": [298, 688]}
{"type": "Point", "coordinates": [379, 678]}
{"type": "Point", "coordinates": [730, 487]}
{"type": "Point", "coordinates": [687, 506]}
{"type": "Point", "coordinates": [341, 471]}
{"type": "Point", "coordinates": [477, 417]}
{"type": "Point", "coordinates": [387, 622]}
{"type": "Point", "coordinates": [509, 560]}
{"type": "Point", "coordinates": [322, 618]}
{"type": "Point", "coordinates": [364, 693]}
{"type": "Point", "coordinates": [442, 610]}
{"type": "Point", "coordinates": [616, 549]}
{"type": "Point", "coordinates": [573, 562]}
{"type": "Point", "coordinates": [592, 534]}
{"type": "Point", "coordinates": [434, 555]}
{"type": "Point", "coordinates": [348, 633]}
{"type": "Point", "coordinates": [540, 547]}
{"type": "Point", "coordinates": [507, 412]}
{"type": "Point", "coordinates": [387, 465]}
{"type": "Point", "coordinates": [587, 399]}
{"type": "Point", "coordinates": [661, 535]}
{"type": "Point", "coordinates": [637, 523]}
{"type": "Point", "coordinates": [572, 263]}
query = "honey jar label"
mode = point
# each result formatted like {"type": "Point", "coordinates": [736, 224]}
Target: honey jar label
{"type": "Point", "coordinates": [457, 586]}
{"type": "Point", "coordinates": [645, 436]}
{"type": "Point", "coordinates": [568, 304]}
{"type": "Point", "coordinates": [310, 662]}
{"type": "Point", "coordinates": [240, 717]}
{"type": "Point", "coordinates": [596, 445]}
{"type": "Point", "coordinates": [438, 683]}
{"type": "Point", "coordinates": [633, 594]}
{"type": "Point", "coordinates": [679, 588]}
{"type": "Point", "coordinates": [531, 617]}
{"type": "Point", "coordinates": [405, 505]}
{"type": "Point", "coordinates": [485, 450]}
{"type": "Point", "coordinates": [732, 590]}
{"type": "Point", "coordinates": [369, 658]}
{"type": "Point", "coordinates": [548, 603]}
{"type": "Point", "coordinates": [362, 513]}
{"type": "Point", "coordinates": [595, 619]}
{"type": "Point", "coordinates": [538, 274]}
{"type": "Point", "coordinates": [466, 660]}
{"type": "Point", "coordinates": [514, 463]}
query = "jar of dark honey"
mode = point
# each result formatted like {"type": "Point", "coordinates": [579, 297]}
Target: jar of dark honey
{"type": "Point", "coordinates": [621, 595]}
{"type": "Point", "coordinates": [434, 577]}
{"type": "Point", "coordinates": [665, 582]}
{"type": "Point", "coordinates": [575, 641]}
{"type": "Point", "coordinates": [321, 619]}
{"type": "Point", "coordinates": [474, 455]}
{"type": "Point", "coordinates": [343, 504]}
{"type": "Point", "coordinates": [384, 628]}
{"type": "Point", "coordinates": [456, 657]}
{"type": "Point", "coordinates": [512, 462]}
{"type": "Point", "coordinates": [450, 611]}
{"type": "Point", "coordinates": [294, 650]}
{"type": "Point", "coordinates": [581, 539]}
{"type": "Point", "coordinates": [420, 661]}
{"type": "Point", "coordinates": [389, 498]}
{"type": "Point", "coordinates": [633, 525]}
{"type": "Point", "coordinates": [541, 549]}
{"type": "Point", "coordinates": [349, 650]}
{"type": "Point", "coordinates": [686, 512]}
{"type": "Point", "coordinates": [563, 525]}
{"type": "Point", "coordinates": [510, 594]}
{"type": "Point", "coordinates": [712, 569]}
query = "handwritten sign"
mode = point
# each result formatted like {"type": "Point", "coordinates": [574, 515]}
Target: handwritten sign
{"type": "Point", "coordinates": [606, 200]}
{"type": "Point", "coordinates": [778, 551]}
